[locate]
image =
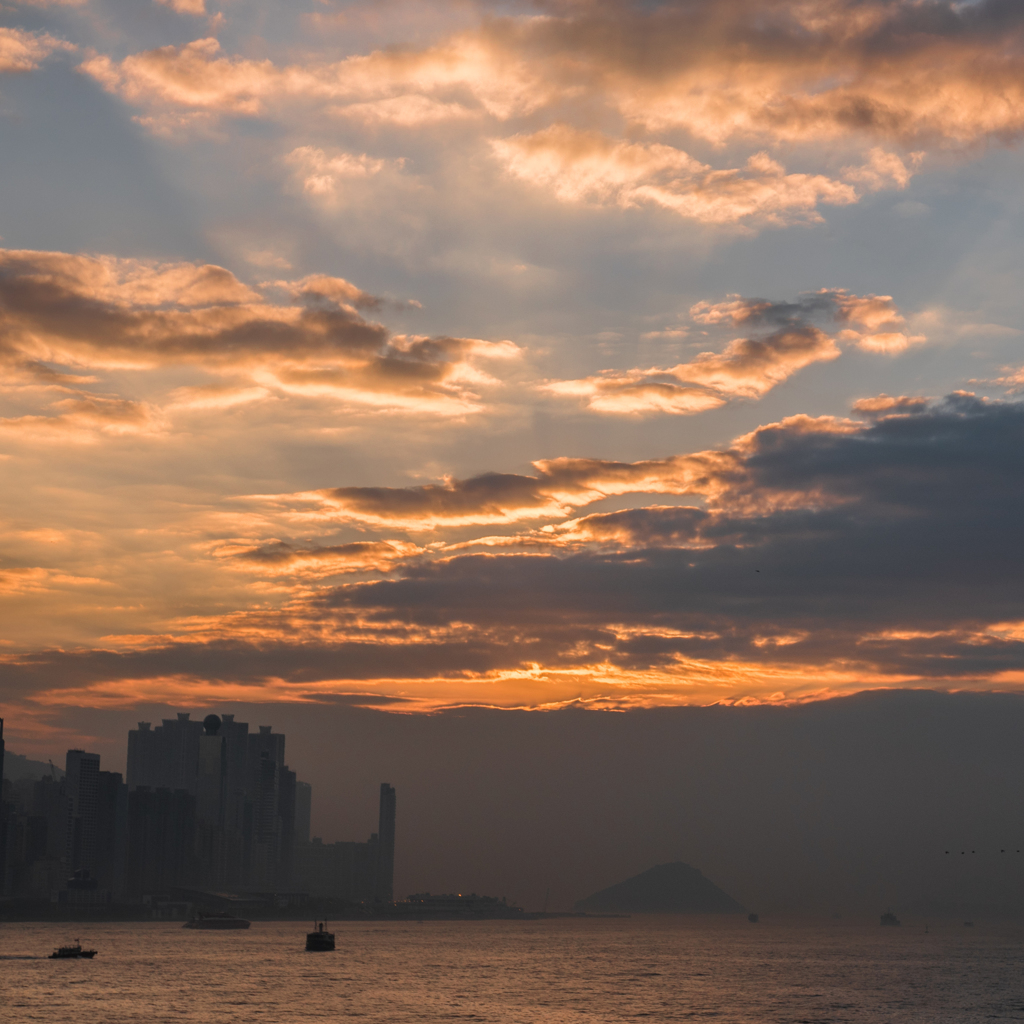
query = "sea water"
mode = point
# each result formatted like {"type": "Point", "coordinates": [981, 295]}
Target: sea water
{"type": "Point", "coordinates": [551, 971]}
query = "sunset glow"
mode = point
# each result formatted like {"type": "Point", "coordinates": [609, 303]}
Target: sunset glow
{"type": "Point", "coordinates": [510, 354]}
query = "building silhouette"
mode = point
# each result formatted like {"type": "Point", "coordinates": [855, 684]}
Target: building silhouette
{"type": "Point", "coordinates": [207, 807]}
{"type": "Point", "coordinates": [4, 806]}
{"type": "Point", "coordinates": [303, 811]}
{"type": "Point", "coordinates": [384, 890]}
{"type": "Point", "coordinates": [243, 796]}
{"type": "Point", "coordinates": [66, 830]}
{"type": "Point", "coordinates": [81, 777]}
{"type": "Point", "coordinates": [48, 869]}
{"type": "Point", "coordinates": [111, 848]}
{"type": "Point", "coordinates": [342, 871]}
{"type": "Point", "coordinates": [161, 852]}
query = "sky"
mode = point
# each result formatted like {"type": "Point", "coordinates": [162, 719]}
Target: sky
{"type": "Point", "coordinates": [424, 355]}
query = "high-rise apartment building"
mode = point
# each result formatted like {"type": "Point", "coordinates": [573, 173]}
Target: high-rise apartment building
{"type": "Point", "coordinates": [3, 819]}
{"type": "Point", "coordinates": [303, 811]}
{"type": "Point", "coordinates": [166, 757]}
{"type": "Point", "coordinates": [111, 833]}
{"type": "Point", "coordinates": [81, 778]}
{"type": "Point", "coordinates": [244, 795]}
{"type": "Point", "coordinates": [162, 851]}
{"type": "Point", "coordinates": [207, 805]}
{"type": "Point", "coordinates": [346, 871]}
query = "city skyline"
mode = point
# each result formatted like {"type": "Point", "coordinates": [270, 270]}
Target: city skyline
{"type": "Point", "coordinates": [588, 431]}
{"type": "Point", "coordinates": [206, 808]}
{"type": "Point", "coordinates": [837, 806]}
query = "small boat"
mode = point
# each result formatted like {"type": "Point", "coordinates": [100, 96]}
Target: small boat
{"type": "Point", "coordinates": [319, 940]}
{"type": "Point", "coordinates": [215, 922]}
{"type": "Point", "coordinates": [74, 952]}
{"type": "Point", "coordinates": [890, 919]}
{"type": "Point", "coordinates": [753, 918]}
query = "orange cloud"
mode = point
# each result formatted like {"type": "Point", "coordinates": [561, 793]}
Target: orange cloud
{"type": "Point", "coordinates": [20, 580]}
{"type": "Point", "coordinates": [333, 289]}
{"type": "Point", "coordinates": [322, 175]}
{"type": "Point", "coordinates": [756, 75]}
{"type": "Point", "coordinates": [753, 74]}
{"type": "Point", "coordinates": [598, 685]}
{"type": "Point", "coordinates": [24, 51]}
{"type": "Point", "coordinates": [888, 405]}
{"type": "Point", "coordinates": [588, 167]}
{"type": "Point", "coordinates": [85, 419]}
{"type": "Point", "coordinates": [279, 558]}
{"type": "Point", "coordinates": [194, 7]}
{"type": "Point", "coordinates": [560, 486]}
{"type": "Point", "coordinates": [401, 86]}
{"type": "Point", "coordinates": [102, 312]}
{"type": "Point", "coordinates": [636, 392]}
{"type": "Point", "coordinates": [810, 568]}
{"type": "Point", "coordinates": [746, 367]}
{"type": "Point", "coordinates": [946, 75]}
{"type": "Point", "coordinates": [749, 69]}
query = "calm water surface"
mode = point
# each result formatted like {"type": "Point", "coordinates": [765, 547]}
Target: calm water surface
{"type": "Point", "coordinates": [665, 969]}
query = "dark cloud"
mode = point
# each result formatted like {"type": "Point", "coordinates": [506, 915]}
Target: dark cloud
{"type": "Point", "coordinates": [326, 560]}
{"type": "Point", "coordinates": [786, 337]}
{"type": "Point", "coordinates": [884, 550]}
{"type": "Point", "coordinates": [908, 524]}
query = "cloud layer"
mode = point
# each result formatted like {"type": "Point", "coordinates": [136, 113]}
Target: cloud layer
{"type": "Point", "coordinates": [24, 51]}
{"type": "Point", "coordinates": [788, 340]}
{"type": "Point", "coordinates": [896, 71]}
{"type": "Point", "coordinates": [857, 94]}
{"type": "Point", "coordinates": [63, 314]}
{"type": "Point", "coordinates": [240, 467]}
{"type": "Point", "coordinates": [825, 555]}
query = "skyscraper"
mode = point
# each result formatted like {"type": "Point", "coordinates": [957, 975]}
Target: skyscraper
{"type": "Point", "coordinates": [3, 818]}
{"type": "Point", "coordinates": [244, 799]}
{"type": "Point", "coordinates": [166, 757]}
{"type": "Point", "coordinates": [265, 768]}
{"type": "Point", "coordinates": [111, 832]}
{"type": "Point", "coordinates": [161, 841]}
{"type": "Point", "coordinates": [81, 775]}
{"type": "Point", "coordinates": [386, 845]}
{"type": "Point", "coordinates": [303, 811]}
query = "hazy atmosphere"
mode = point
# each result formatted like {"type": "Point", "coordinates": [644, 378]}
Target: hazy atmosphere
{"type": "Point", "coordinates": [843, 807]}
{"type": "Point", "coordinates": [599, 419]}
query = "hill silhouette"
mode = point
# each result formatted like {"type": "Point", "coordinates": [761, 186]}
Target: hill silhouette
{"type": "Point", "coordinates": [18, 766]}
{"type": "Point", "coordinates": [673, 888]}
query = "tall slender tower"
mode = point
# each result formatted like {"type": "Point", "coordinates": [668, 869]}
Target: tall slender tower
{"type": "Point", "coordinates": [385, 888]}
{"type": "Point", "coordinates": [3, 818]}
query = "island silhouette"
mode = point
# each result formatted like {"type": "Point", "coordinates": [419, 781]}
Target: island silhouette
{"type": "Point", "coordinates": [675, 888]}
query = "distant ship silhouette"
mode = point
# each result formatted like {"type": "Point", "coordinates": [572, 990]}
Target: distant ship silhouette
{"type": "Point", "coordinates": [319, 940]}
{"type": "Point", "coordinates": [74, 952]}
